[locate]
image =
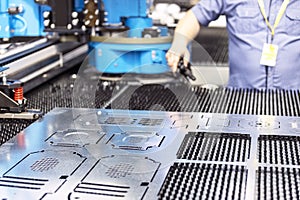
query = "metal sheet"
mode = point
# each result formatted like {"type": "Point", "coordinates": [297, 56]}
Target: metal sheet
{"type": "Point", "coordinates": [76, 154]}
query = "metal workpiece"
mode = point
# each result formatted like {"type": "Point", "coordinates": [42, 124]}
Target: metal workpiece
{"type": "Point", "coordinates": [94, 168]}
{"type": "Point", "coordinates": [77, 153]}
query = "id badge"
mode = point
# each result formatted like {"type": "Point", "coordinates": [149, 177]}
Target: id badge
{"type": "Point", "coordinates": [269, 55]}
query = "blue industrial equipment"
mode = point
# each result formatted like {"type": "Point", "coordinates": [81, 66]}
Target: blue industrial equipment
{"type": "Point", "coordinates": [140, 48]}
{"type": "Point", "coordinates": [21, 18]}
{"type": "Point", "coordinates": [130, 55]}
{"type": "Point", "coordinates": [31, 18]}
{"type": "Point", "coordinates": [25, 55]}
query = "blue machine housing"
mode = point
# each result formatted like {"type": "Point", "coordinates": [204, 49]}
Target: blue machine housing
{"type": "Point", "coordinates": [129, 58]}
{"type": "Point", "coordinates": [117, 9]}
{"type": "Point", "coordinates": [112, 57]}
{"type": "Point", "coordinates": [29, 22]}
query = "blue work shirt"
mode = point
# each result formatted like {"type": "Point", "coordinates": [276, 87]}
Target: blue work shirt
{"type": "Point", "coordinates": [247, 33]}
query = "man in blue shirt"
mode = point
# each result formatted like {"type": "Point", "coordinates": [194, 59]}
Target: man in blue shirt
{"type": "Point", "coordinates": [264, 40]}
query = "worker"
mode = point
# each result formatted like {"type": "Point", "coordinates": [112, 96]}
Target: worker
{"type": "Point", "coordinates": [264, 40]}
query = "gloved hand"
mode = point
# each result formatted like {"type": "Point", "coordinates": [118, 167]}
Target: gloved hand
{"type": "Point", "coordinates": [174, 55]}
{"type": "Point", "coordinates": [178, 49]}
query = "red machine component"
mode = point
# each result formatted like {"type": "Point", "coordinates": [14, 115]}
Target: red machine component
{"type": "Point", "coordinates": [18, 95]}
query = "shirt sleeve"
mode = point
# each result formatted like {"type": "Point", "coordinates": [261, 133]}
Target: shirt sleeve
{"type": "Point", "coordinates": [208, 10]}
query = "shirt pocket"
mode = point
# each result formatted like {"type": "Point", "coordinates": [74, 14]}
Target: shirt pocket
{"type": "Point", "coordinates": [292, 21]}
{"type": "Point", "coordinates": [247, 19]}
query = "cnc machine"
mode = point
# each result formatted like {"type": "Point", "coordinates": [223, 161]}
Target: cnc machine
{"type": "Point", "coordinates": [103, 138]}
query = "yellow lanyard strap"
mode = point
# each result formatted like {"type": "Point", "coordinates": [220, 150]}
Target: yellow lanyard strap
{"type": "Point", "coordinates": [279, 15]}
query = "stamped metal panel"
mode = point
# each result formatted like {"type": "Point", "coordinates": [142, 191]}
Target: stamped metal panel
{"type": "Point", "coordinates": [125, 154]}
{"type": "Point", "coordinates": [116, 177]}
{"type": "Point", "coordinates": [75, 137]}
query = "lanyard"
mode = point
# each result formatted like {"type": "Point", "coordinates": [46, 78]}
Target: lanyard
{"type": "Point", "coordinates": [278, 17]}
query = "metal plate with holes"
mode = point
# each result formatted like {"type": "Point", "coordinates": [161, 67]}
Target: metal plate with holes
{"type": "Point", "coordinates": [39, 173]}
{"type": "Point", "coordinates": [204, 181]}
{"type": "Point", "coordinates": [127, 154]}
{"type": "Point", "coordinates": [215, 147]}
{"type": "Point", "coordinates": [278, 183]}
{"type": "Point", "coordinates": [116, 177]}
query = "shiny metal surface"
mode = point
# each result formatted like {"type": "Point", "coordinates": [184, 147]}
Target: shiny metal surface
{"type": "Point", "coordinates": [126, 154]}
{"type": "Point", "coordinates": [128, 40]}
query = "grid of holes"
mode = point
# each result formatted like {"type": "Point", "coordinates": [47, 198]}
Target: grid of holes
{"type": "Point", "coordinates": [10, 127]}
{"type": "Point", "coordinates": [278, 149]}
{"type": "Point", "coordinates": [204, 181]}
{"type": "Point", "coordinates": [215, 147]}
{"type": "Point", "coordinates": [179, 97]}
{"type": "Point", "coordinates": [44, 164]}
{"type": "Point", "coordinates": [120, 170]}
{"type": "Point", "coordinates": [277, 183]}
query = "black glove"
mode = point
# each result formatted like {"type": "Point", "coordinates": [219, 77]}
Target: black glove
{"type": "Point", "coordinates": [185, 70]}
